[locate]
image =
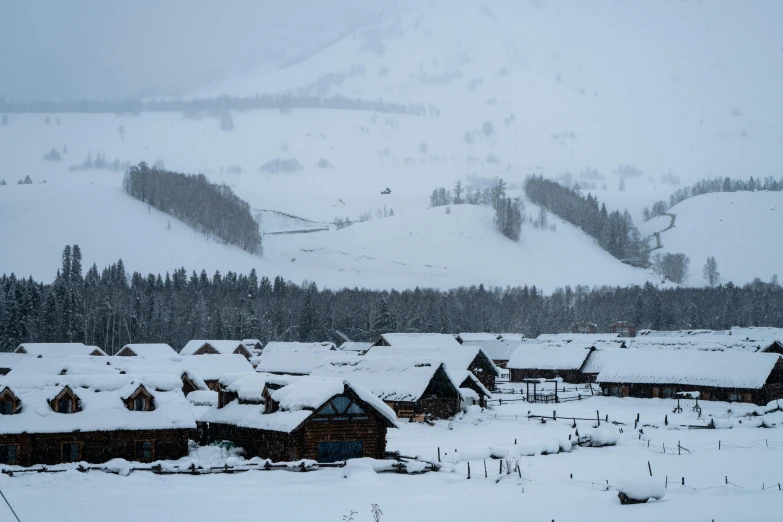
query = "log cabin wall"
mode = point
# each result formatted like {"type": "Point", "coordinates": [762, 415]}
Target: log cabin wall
{"type": "Point", "coordinates": [758, 396]}
{"type": "Point", "coordinates": [97, 446]}
{"type": "Point", "coordinates": [371, 433]}
{"type": "Point", "coordinates": [274, 445]}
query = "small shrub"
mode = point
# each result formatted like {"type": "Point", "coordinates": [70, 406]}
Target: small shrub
{"type": "Point", "coordinates": [52, 155]}
{"type": "Point", "coordinates": [278, 165]}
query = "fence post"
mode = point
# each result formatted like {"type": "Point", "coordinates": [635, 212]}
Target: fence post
{"type": "Point", "coordinates": [666, 485]}
{"type": "Point", "coordinates": [519, 470]}
{"type": "Point", "coordinates": [438, 453]}
{"type": "Point", "coordinates": [648, 442]}
{"type": "Point", "coordinates": [649, 467]}
{"type": "Point", "coordinates": [554, 414]}
{"type": "Point", "coordinates": [468, 470]}
{"type": "Point", "coordinates": [598, 417]}
{"type": "Point", "coordinates": [485, 468]}
{"type": "Point", "coordinates": [664, 447]}
{"type": "Point", "coordinates": [683, 481]}
{"type": "Point", "coordinates": [607, 417]}
{"type": "Point", "coordinates": [727, 480]}
{"type": "Point", "coordinates": [718, 444]}
{"type": "Point", "coordinates": [501, 467]}
{"type": "Point", "coordinates": [678, 447]}
{"type": "Point", "coordinates": [666, 419]}
{"type": "Point", "coordinates": [515, 441]}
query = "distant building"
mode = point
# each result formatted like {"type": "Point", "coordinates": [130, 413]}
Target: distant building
{"type": "Point", "coordinates": [215, 347]}
{"type": "Point", "coordinates": [623, 329]}
{"type": "Point", "coordinates": [584, 327]}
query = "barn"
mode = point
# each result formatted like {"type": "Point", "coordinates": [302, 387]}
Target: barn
{"type": "Point", "coordinates": [457, 357]}
{"type": "Point", "coordinates": [550, 361]}
{"type": "Point", "coordinates": [323, 419]}
{"type": "Point", "coordinates": [93, 418]}
{"type": "Point", "coordinates": [412, 386]}
{"type": "Point", "coordinates": [215, 347]}
{"type": "Point", "coordinates": [719, 376]}
{"type": "Point", "coordinates": [146, 350]}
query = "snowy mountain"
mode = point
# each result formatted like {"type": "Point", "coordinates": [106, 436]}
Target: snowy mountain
{"type": "Point", "coordinates": [738, 229]}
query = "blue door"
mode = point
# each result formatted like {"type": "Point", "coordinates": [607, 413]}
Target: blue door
{"type": "Point", "coordinates": [337, 451]}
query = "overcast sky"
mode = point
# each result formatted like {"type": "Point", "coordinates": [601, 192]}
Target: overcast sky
{"type": "Point", "coordinates": [84, 49]}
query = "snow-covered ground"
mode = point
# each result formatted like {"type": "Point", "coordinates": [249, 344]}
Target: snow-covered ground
{"type": "Point", "coordinates": [738, 482]}
{"type": "Point", "coordinates": [738, 229]}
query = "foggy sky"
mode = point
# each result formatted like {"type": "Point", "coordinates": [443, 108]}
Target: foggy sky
{"type": "Point", "coordinates": [105, 49]}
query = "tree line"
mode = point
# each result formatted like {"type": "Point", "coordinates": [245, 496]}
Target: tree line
{"type": "Point", "coordinates": [219, 105]}
{"type": "Point", "coordinates": [708, 186]}
{"type": "Point", "coordinates": [615, 232]}
{"type": "Point", "coordinates": [112, 307]}
{"type": "Point", "coordinates": [208, 207]}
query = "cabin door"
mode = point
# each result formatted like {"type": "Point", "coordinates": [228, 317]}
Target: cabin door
{"type": "Point", "coordinates": [338, 451]}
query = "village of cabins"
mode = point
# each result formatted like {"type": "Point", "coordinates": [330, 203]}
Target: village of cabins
{"type": "Point", "coordinates": [287, 401]}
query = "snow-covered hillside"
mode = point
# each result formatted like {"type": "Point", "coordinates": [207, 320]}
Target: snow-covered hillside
{"type": "Point", "coordinates": [427, 248]}
{"type": "Point", "coordinates": [740, 229]}
{"type": "Point", "coordinates": [570, 85]}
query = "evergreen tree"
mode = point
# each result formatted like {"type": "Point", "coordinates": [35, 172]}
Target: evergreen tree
{"type": "Point", "coordinates": [710, 271]}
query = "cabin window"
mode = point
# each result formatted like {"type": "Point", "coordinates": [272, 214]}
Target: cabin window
{"type": "Point", "coordinates": [668, 393]}
{"type": "Point", "coordinates": [341, 403]}
{"type": "Point", "coordinates": [65, 406]}
{"type": "Point", "coordinates": [8, 455]}
{"type": "Point", "coordinates": [355, 409]}
{"type": "Point", "coordinates": [144, 451]}
{"type": "Point", "coordinates": [71, 452]}
{"type": "Point", "coordinates": [615, 391]}
{"type": "Point", "coordinates": [140, 404]}
{"type": "Point", "coordinates": [735, 397]}
{"type": "Point", "coordinates": [340, 408]}
{"type": "Point", "coordinates": [7, 407]}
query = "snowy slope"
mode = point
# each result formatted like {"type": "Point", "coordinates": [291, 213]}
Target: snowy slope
{"type": "Point", "coordinates": [591, 84]}
{"type": "Point", "coordinates": [740, 229]}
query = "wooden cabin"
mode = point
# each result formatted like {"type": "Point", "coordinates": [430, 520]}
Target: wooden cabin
{"type": "Point", "coordinates": [584, 327]}
{"type": "Point", "coordinates": [623, 329]}
{"type": "Point", "coordinates": [719, 376]}
{"type": "Point", "coordinates": [412, 386]}
{"type": "Point", "coordinates": [327, 420]}
{"type": "Point", "coordinates": [456, 356]}
{"type": "Point", "coordinates": [215, 347]}
{"type": "Point", "coordinates": [293, 358]}
{"type": "Point", "coordinates": [550, 361]}
{"type": "Point", "coordinates": [57, 419]}
{"type": "Point", "coordinates": [416, 340]}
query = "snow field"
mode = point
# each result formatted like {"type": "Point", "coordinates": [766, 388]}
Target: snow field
{"type": "Point", "coordinates": [546, 490]}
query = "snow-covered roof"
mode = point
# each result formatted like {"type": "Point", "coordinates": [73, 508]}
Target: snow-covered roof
{"type": "Point", "coordinates": [147, 350]}
{"type": "Point", "coordinates": [549, 356]}
{"type": "Point", "coordinates": [459, 376]}
{"type": "Point", "coordinates": [291, 359]}
{"type": "Point", "coordinates": [101, 400]}
{"type": "Point", "coordinates": [689, 367]}
{"type": "Point", "coordinates": [497, 350]}
{"type": "Point", "coordinates": [221, 346]}
{"type": "Point", "coordinates": [297, 401]}
{"type": "Point", "coordinates": [456, 356]}
{"type": "Point", "coordinates": [353, 346]}
{"type": "Point", "coordinates": [402, 379]}
{"type": "Point", "coordinates": [758, 333]}
{"type": "Point", "coordinates": [682, 333]}
{"type": "Point", "coordinates": [697, 342]}
{"type": "Point", "coordinates": [583, 338]}
{"type": "Point", "coordinates": [250, 386]}
{"type": "Point", "coordinates": [420, 340]}
{"type": "Point", "coordinates": [512, 337]}
{"type": "Point", "coordinates": [471, 337]}
{"type": "Point", "coordinates": [58, 349]}
{"type": "Point", "coordinates": [280, 345]}
{"type": "Point", "coordinates": [596, 360]}
{"type": "Point", "coordinates": [9, 360]}
{"type": "Point", "coordinates": [211, 367]}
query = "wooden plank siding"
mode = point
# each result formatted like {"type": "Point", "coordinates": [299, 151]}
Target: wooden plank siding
{"type": "Point", "coordinates": [96, 446]}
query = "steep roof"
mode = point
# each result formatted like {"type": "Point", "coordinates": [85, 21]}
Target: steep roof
{"type": "Point", "coordinates": [222, 346]}
{"type": "Point", "coordinates": [689, 367]}
{"type": "Point", "coordinates": [297, 402]}
{"type": "Point", "coordinates": [353, 346]}
{"type": "Point", "coordinates": [582, 338]}
{"type": "Point", "coordinates": [280, 345]}
{"type": "Point", "coordinates": [101, 401]}
{"type": "Point", "coordinates": [58, 349]}
{"type": "Point", "coordinates": [758, 333]}
{"type": "Point", "coordinates": [211, 367]}
{"type": "Point", "coordinates": [401, 379]}
{"type": "Point", "coordinates": [696, 342]}
{"type": "Point", "coordinates": [549, 356]}
{"type": "Point", "coordinates": [497, 350]}
{"type": "Point", "coordinates": [430, 340]}
{"type": "Point", "coordinates": [9, 360]}
{"type": "Point", "coordinates": [456, 356]}
{"type": "Point", "coordinates": [459, 376]}
{"type": "Point", "coordinates": [147, 350]}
